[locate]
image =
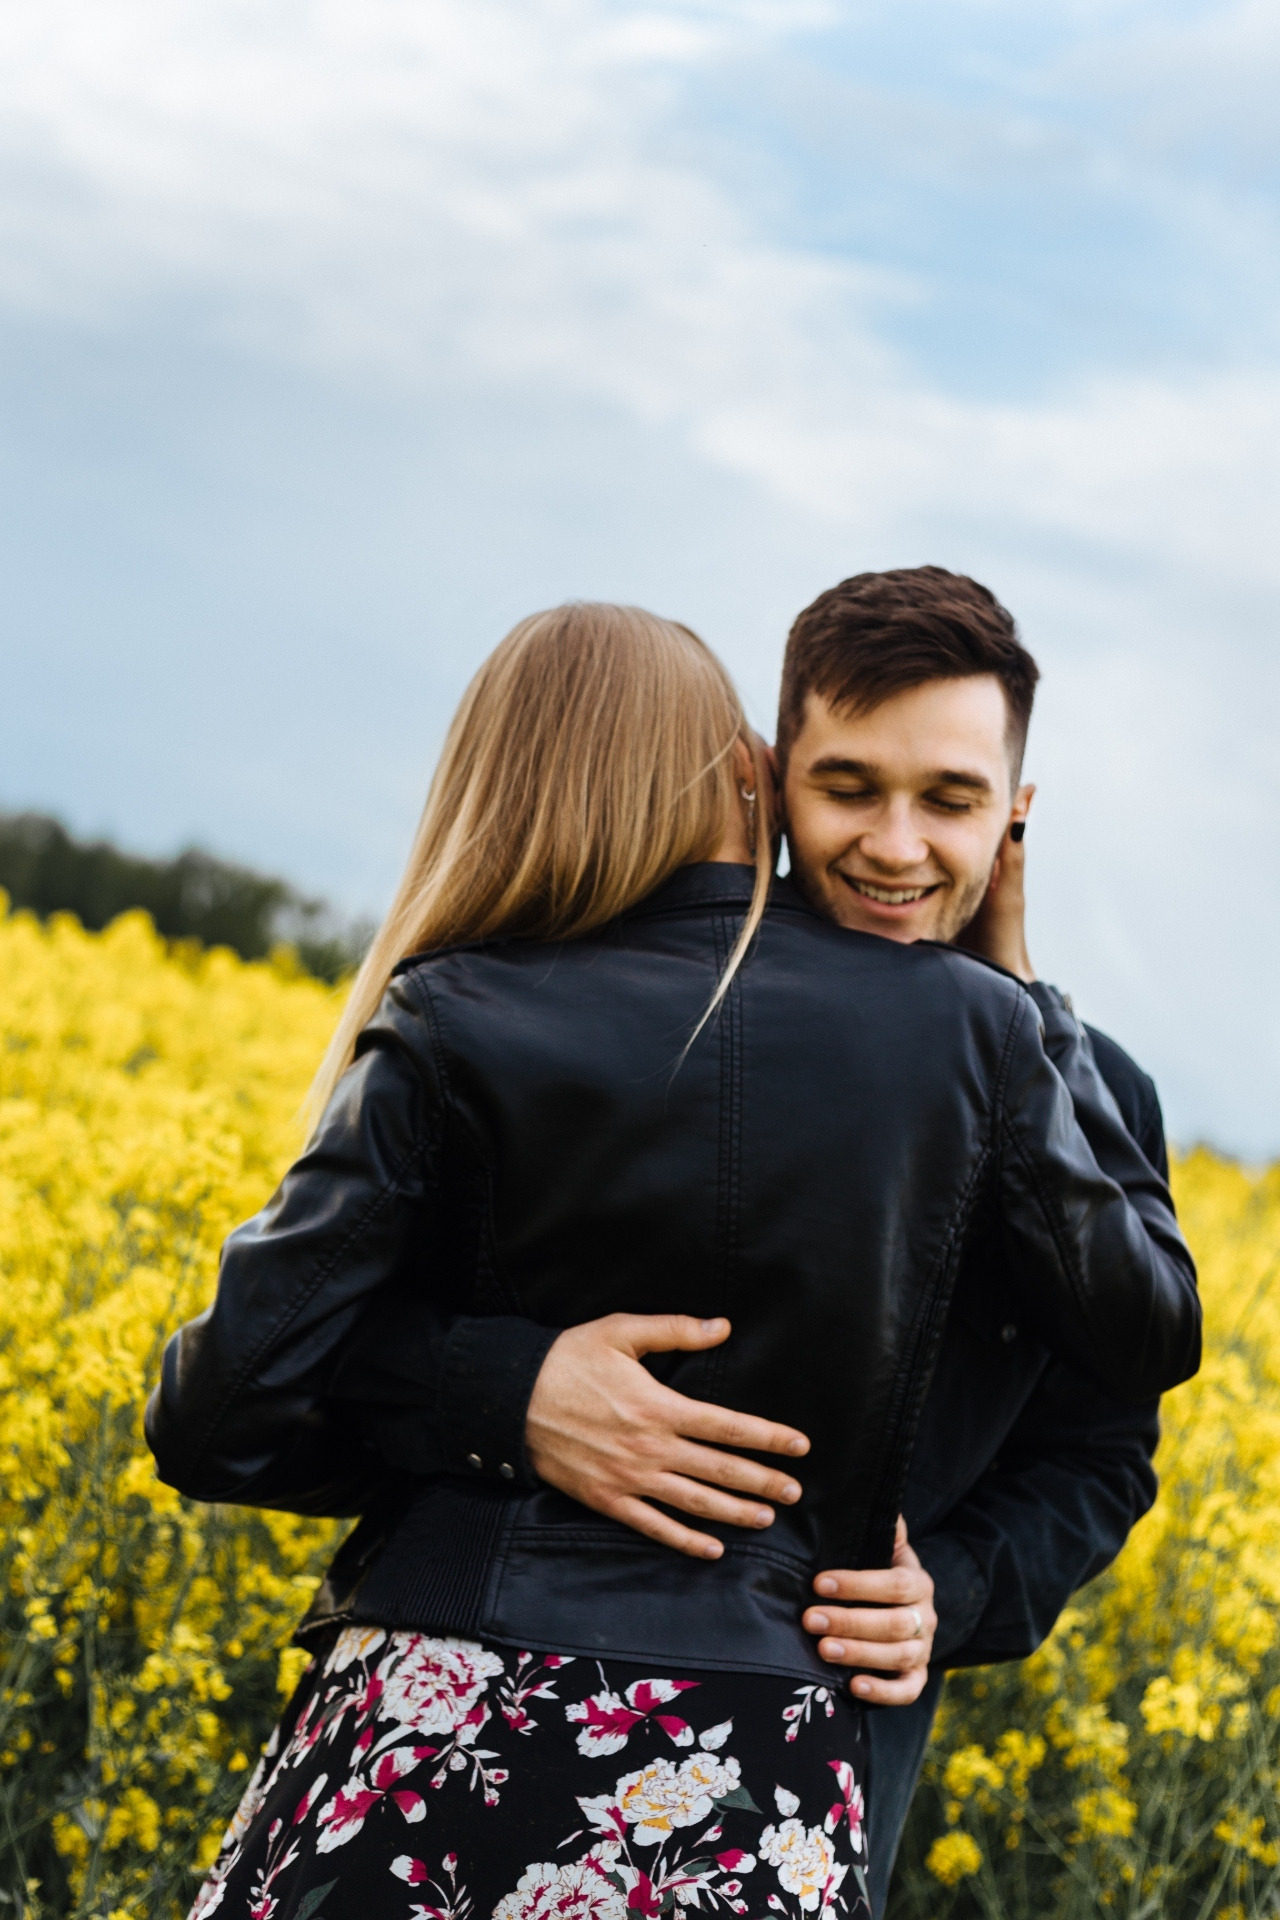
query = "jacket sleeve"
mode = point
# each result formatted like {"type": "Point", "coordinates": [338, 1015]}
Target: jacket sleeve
{"type": "Point", "coordinates": [1053, 1510]}
{"type": "Point", "coordinates": [1088, 1222]}
{"type": "Point", "coordinates": [245, 1409]}
{"type": "Point", "coordinates": [1073, 1475]}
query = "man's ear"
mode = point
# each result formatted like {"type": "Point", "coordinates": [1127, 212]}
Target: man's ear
{"type": "Point", "coordinates": [1022, 802]}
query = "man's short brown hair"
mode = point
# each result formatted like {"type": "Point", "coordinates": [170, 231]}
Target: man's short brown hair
{"type": "Point", "coordinates": [880, 633]}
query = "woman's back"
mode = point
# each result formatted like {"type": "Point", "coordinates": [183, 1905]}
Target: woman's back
{"type": "Point", "coordinates": [524, 1142]}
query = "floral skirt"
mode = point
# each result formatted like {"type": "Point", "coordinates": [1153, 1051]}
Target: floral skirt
{"type": "Point", "coordinates": [439, 1779]}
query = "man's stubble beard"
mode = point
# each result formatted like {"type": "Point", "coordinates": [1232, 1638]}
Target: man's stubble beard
{"type": "Point", "coordinates": [959, 909]}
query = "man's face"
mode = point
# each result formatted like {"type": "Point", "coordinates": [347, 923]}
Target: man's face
{"type": "Point", "coordinates": [894, 817]}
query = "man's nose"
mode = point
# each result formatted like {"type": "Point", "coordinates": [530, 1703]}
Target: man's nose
{"type": "Point", "coordinates": [895, 841]}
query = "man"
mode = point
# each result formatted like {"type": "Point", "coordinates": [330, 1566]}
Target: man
{"type": "Point", "coordinates": [903, 716]}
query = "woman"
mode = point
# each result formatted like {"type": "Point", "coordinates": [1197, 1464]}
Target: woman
{"type": "Point", "coordinates": [593, 1064]}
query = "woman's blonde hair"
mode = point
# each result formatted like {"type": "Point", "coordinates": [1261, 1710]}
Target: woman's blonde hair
{"type": "Point", "coordinates": [592, 755]}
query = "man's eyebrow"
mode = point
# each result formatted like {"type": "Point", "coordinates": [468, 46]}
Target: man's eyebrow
{"type": "Point", "coordinates": [956, 777]}
{"type": "Point", "coordinates": [866, 770]}
{"type": "Point", "coordinates": [836, 763]}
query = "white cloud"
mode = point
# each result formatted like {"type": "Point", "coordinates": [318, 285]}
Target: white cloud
{"type": "Point", "coordinates": [507, 194]}
{"type": "Point", "coordinates": [489, 190]}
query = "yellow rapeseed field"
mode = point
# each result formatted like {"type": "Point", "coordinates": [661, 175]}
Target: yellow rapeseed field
{"type": "Point", "coordinates": [148, 1101]}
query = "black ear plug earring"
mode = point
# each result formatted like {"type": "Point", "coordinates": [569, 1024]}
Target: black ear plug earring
{"type": "Point", "coordinates": [1017, 829]}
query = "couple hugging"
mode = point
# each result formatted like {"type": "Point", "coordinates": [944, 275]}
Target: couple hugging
{"type": "Point", "coordinates": [727, 1300]}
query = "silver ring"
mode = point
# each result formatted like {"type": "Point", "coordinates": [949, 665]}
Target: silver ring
{"type": "Point", "coordinates": [919, 1632]}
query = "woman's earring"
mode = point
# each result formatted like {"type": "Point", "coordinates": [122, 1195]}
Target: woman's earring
{"type": "Point", "coordinates": [750, 799]}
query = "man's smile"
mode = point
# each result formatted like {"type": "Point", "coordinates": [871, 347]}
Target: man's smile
{"type": "Point", "coordinates": [889, 896]}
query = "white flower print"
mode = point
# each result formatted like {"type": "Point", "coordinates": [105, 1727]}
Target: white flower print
{"type": "Point", "coordinates": [398, 1716]}
{"type": "Point", "coordinates": [714, 1738]}
{"type": "Point", "coordinates": [660, 1797]}
{"type": "Point", "coordinates": [434, 1685]}
{"type": "Point", "coordinates": [577, 1890]}
{"type": "Point", "coordinates": [353, 1643]}
{"type": "Point", "coordinates": [805, 1860]}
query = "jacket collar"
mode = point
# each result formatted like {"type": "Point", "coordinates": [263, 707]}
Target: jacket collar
{"type": "Point", "coordinates": [714, 884]}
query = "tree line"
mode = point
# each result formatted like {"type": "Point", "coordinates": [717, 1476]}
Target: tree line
{"type": "Point", "coordinates": [194, 896]}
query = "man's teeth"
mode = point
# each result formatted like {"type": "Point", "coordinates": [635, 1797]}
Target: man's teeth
{"type": "Point", "coordinates": [891, 896]}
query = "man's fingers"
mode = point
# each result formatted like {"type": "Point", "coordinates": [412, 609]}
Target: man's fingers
{"type": "Point", "coordinates": [731, 1470]}
{"type": "Point", "coordinates": [868, 1623]}
{"type": "Point", "coordinates": [889, 1693]}
{"type": "Point", "coordinates": [645, 1519]}
{"type": "Point", "coordinates": [691, 1496]}
{"type": "Point", "coordinates": [900, 1586]}
{"type": "Point", "coordinates": [701, 1420]}
{"type": "Point", "coordinates": [638, 1333]}
{"type": "Point", "coordinates": [901, 1657]}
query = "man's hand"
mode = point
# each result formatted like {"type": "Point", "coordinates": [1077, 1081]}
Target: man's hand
{"type": "Point", "coordinates": [998, 929]}
{"type": "Point", "coordinates": [891, 1630]}
{"type": "Point", "coordinates": [603, 1430]}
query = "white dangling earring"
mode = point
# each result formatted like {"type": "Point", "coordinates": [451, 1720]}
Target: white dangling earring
{"type": "Point", "coordinates": [750, 799]}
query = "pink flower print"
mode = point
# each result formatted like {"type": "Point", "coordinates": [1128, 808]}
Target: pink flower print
{"type": "Point", "coordinates": [807, 1699]}
{"type": "Point", "coordinates": [309, 1799]}
{"type": "Point", "coordinates": [416, 1872]}
{"type": "Point", "coordinates": [412, 1806]}
{"type": "Point", "coordinates": [734, 1860]}
{"type": "Point", "coordinates": [343, 1816]}
{"type": "Point", "coordinates": [262, 1902]}
{"type": "Point", "coordinates": [529, 1683]}
{"type": "Point", "coordinates": [607, 1721]}
{"type": "Point", "coordinates": [434, 1685]}
{"type": "Point", "coordinates": [643, 1898]}
{"type": "Point", "coordinates": [849, 1807]}
{"type": "Point", "coordinates": [455, 1904]}
{"type": "Point", "coordinates": [578, 1890]}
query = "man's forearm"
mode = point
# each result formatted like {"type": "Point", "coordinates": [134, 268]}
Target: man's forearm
{"type": "Point", "coordinates": [1075, 1476]}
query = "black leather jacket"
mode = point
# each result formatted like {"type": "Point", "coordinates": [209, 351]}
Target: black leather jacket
{"type": "Point", "coordinates": [521, 1146]}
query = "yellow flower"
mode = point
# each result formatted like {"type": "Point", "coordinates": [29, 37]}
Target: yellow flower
{"type": "Point", "coordinates": [149, 1100]}
{"type": "Point", "coordinates": [292, 1665]}
{"type": "Point", "coordinates": [1105, 1812]}
{"type": "Point", "coordinates": [953, 1857]}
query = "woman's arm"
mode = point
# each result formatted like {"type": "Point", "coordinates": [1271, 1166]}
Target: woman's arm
{"type": "Point", "coordinates": [240, 1413]}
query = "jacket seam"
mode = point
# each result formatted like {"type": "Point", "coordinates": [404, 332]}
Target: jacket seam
{"type": "Point", "coordinates": [1016, 1018]}
{"type": "Point", "coordinates": [462, 1131]}
{"type": "Point", "coordinates": [531, 1534]}
{"type": "Point", "coordinates": [1009, 1129]}
{"type": "Point", "coordinates": [912, 1383]}
{"type": "Point", "coordinates": [730, 1028]}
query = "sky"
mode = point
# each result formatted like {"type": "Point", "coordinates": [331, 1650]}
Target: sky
{"type": "Point", "coordinates": [336, 337]}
